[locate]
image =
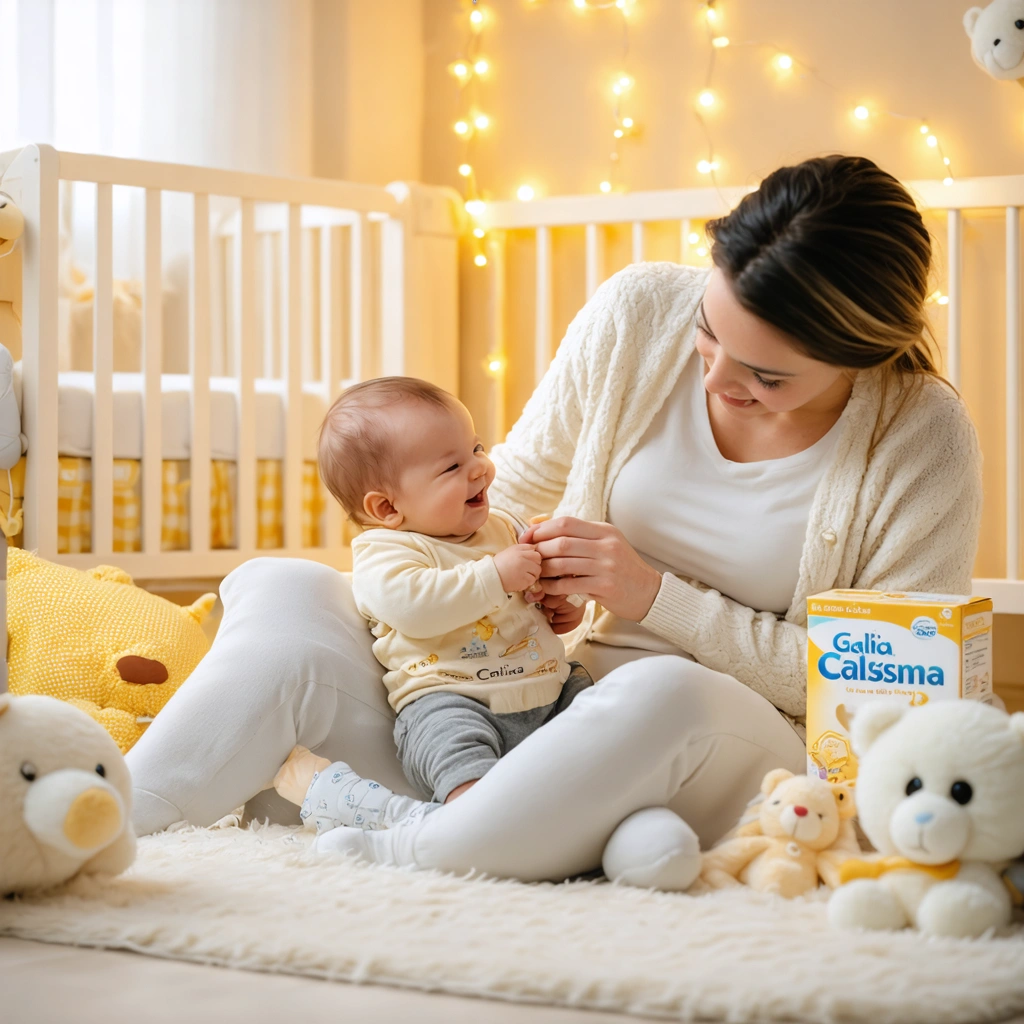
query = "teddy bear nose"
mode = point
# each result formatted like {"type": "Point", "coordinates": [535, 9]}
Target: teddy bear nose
{"type": "Point", "coordinates": [924, 817]}
{"type": "Point", "coordinates": [133, 669]}
{"type": "Point", "coordinates": [800, 812]}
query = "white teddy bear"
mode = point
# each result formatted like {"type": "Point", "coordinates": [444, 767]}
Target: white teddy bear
{"type": "Point", "coordinates": [940, 794]}
{"type": "Point", "coordinates": [65, 796]}
{"type": "Point", "coordinates": [997, 38]}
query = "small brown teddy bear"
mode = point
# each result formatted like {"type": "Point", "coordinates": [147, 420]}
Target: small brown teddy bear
{"type": "Point", "coordinates": [802, 833]}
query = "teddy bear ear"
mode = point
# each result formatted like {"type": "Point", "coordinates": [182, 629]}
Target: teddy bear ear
{"type": "Point", "coordinates": [844, 800]}
{"type": "Point", "coordinates": [1017, 724]}
{"type": "Point", "coordinates": [198, 610]}
{"type": "Point", "coordinates": [970, 20]}
{"type": "Point", "coordinates": [774, 778]}
{"type": "Point", "coordinates": [871, 721]}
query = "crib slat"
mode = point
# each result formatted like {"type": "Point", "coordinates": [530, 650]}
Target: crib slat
{"type": "Point", "coordinates": [392, 298]}
{"type": "Point", "coordinates": [291, 344]}
{"type": "Point", "coordinates": [638, 241]}
{"type": "Point", "coordinates": [1013, 418]}
{"type": "Point", "coordinates": [684, 240]}
{"type": "Point", "coordinates": [245, 362]}
{"type": "Point", "coordinates": [308, 284]}
{"type": "Point", "coordinates": [39, 169]}
{"type": "Point", "coordinates": [496, 331]}
{"type": "Point", "coordinates": [266, 284]}
{"type": "Point", "coordinates": [542, 332]}
{"type": "Point", "coordinates": [152, 364]}
{"type": "Point", "coordinates": [103, 369]}
{"type": "Point", "coordinates": [199, 360]}
{"type": "Point", "coordinates": [330, 350]}
{"type": "Point", "coordinates": [360, 302]}
{"type": "Point", "coordinates": [954, 284]}
{"type": "Point", "coordinates": [595, 257]}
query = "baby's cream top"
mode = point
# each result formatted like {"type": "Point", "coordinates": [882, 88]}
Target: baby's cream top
{"type": "Point", "coordinates": [443, 620]}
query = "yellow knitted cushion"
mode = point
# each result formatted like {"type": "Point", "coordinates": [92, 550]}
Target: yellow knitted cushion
{"type": "Point", "coordinates": [97, 641]}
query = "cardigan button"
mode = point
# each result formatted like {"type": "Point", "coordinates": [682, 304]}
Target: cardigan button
{"type": "Point", "coordinates": [829, 537]}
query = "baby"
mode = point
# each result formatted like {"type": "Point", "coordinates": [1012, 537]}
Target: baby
{"type": "Point", "coordinates": [472, 668]}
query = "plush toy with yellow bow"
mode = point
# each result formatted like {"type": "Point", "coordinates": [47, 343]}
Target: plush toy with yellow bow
{"type": "Point", "coordinates": [96, 640]}
{"type": "Point", "coordinates": [939, 795]}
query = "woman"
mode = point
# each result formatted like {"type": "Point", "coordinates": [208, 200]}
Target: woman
{"type": "Point", "coordinates": [715, 447]}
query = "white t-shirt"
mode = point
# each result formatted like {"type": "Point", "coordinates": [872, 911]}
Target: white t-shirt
{"type": "Point", "coordinates": [737, 527]}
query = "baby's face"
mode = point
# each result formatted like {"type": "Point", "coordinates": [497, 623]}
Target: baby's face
{"type": "Point", "coordinates": [442, 486]}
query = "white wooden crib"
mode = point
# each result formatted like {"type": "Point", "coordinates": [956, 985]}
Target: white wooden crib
{"type": "Point", "coordinates": [380, 296]}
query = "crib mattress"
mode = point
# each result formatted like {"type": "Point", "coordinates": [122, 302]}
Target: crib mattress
{"type": "Point", "coordinates": [76, 392]}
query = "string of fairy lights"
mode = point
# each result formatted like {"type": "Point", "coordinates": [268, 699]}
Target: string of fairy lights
{"type": "Point", "coordinates": [471, 68]}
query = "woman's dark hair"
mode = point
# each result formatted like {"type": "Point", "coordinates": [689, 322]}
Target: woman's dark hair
{"type": "Point", "coordinates": [834, 253]}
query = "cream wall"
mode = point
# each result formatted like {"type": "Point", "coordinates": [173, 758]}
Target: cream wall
{"type": "Point", "coordinates": [549, 94]}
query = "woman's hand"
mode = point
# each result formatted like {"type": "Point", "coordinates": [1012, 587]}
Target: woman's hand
{"type": "Point", "coordinates": [605, 566]}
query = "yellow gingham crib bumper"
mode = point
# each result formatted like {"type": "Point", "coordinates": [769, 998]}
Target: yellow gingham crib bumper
{"type": "Point", "coordinates": [74, 504]}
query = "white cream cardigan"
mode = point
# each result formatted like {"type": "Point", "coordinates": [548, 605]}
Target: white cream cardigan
{"type": "Point", "coordinates": [904, 516]}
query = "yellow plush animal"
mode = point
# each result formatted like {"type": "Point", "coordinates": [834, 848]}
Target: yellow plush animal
{"type": "Point", "coordinates": [803, 832]}
{"type": "Point", "coordinates": [96, 640]}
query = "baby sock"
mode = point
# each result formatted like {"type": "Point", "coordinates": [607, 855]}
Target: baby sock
{"type": "Point", "coordinates": [339, 796]}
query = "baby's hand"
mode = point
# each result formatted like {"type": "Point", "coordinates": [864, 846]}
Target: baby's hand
{"type": "Point", "coordinates": [518, 567]}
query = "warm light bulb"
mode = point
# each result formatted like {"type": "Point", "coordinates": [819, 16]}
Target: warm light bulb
{"type": "Point", "coordinates": [947, 181]}
{"type": "Point", "coordinates": [945, 160]}
{"type": "Point", "coordinates": [625, 82]}
{"type": "Point", "coordinates": [702, 251]}
{"type": "Point", "coordinates": [495, 365]}
{"type": "Point", "coordinates": [627, 122]}
{"type": "Point", "coordinates": [706, 98]}
{"type": "Point", "coordinates": [784, 62]}
{"type": "Point", "coordinates": [480, 260]}
{"type": "Point", "coordinates": [704, 166]}
{"type": "Point", "coordinates": [943, 300]}
{"type": "Point", "coordinates": [924, 129]}
{"type": "Point", "coordinates": [474, 207]}
{"type": "Point", "coordinates": [932, 141]}
{"type": "Point", "coordinates": [711, 13]}
{"type": "Point", "coordinates": [720, 42]}
{"type": "Point", "coordinates": [461, 128]}
{"type": "Point", "coordinates": [459, 68]}
{"type": "Point", "coordinates": [605, 186]}
{"type": "Point", "coordinates": [481, 67]}
{"type": "Point", "coordinates": [481, 121]}
{"type": "Point", "coordinates": [621, 4]}
{"type": "Point", "coordinates": [618, 133]}
{"type": "Point", "coordinates": [465, 170]}
{"type": "Point", "coordinates": [476, 19]}
{"type": "Point", "coordinates": [693, 238]}
{"type": "Point", "coordinates": [525, 193]}
{"type": "Point", "coordinates": [478, 232]}
{"type": "Point", "coordinates": [861, 113]}
{"type": "Point", "coordinates": [580, 3]}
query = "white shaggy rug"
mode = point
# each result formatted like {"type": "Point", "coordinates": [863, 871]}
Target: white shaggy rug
{"type": "Point", "coordinates": [256, 900]}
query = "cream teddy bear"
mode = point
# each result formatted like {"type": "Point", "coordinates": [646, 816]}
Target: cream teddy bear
{"type": "Point", "coordinates": [65, 796]}
{"type": "Point", "coordinates": [802, 833]}
{"type": "Point", "coordinates": [939, 795]}
{"type": "Point", "coordinates": [997, 38]}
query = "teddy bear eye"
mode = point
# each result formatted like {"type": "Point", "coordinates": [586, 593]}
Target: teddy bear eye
{"type": "Point", "coordinates": [1019, 23]}
{"type": "Point", "coordinates": [28, 771]}
{"type": "Point", "coordinates": [101, 771]}
{"type": "Point", "coordinates": [776, 803]}
{"type": "Point", "coordinates": [914, 785]}
{"type": "Point", "coordinates": [961, 792]}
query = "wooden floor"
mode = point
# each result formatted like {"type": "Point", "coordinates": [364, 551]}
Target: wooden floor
{"type": "Point", "coordinates": [44, 984]}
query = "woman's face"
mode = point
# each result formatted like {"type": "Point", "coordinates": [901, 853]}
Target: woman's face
{"type": "Point", "coordinates": [751, 367]}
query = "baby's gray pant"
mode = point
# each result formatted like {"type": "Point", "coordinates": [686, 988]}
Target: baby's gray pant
{"type": "Point", "coordinates": [445, 739]}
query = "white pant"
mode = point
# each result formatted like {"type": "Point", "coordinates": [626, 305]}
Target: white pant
{"type": "Point", "coordinates": [292, 663]}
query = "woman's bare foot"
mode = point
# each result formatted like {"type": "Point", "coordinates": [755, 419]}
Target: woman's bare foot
{"type": "Point", "coordinates": [295, 775]}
